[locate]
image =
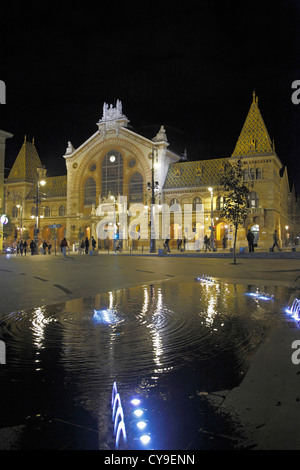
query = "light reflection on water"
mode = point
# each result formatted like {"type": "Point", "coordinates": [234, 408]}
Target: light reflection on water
{"type": "Point", "coordinates": [169, 341]}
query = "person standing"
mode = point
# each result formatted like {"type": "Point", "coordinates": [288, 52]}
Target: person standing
{"type": "Point", "coordinates": [25, 247]}
{"type": "Point", "coordinates": [32, 247]}
{"type": "Point", "coordinates": [64, 245]}
{"type": "Point", "coordinates": [49, 248]}
{"type": "Point", "coordinates": [94, 243]}
{"type": "Point", "coordinates": [21, 247]}
{"type": "Point", "coordinates": [44, 247]}
{"type": "Point", "coordinates": [250, 238]}
{"type": "Point", "coordinates": [275, 241]}
{"type": "Point", "coordinates": [87, 245]}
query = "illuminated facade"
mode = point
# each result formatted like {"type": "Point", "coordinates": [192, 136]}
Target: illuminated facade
{"type": "Point", "coordinates": [115, 161]}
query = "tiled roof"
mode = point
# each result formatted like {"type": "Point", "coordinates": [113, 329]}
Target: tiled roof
{"type": "Point", "coordinates": [25, 165]}
{"type": "Point", "coordinates": [195, 174]}
{"type": "Point", "coordinates": [254, 138]}
{"type": "Point", "coordinates": [56, 186]}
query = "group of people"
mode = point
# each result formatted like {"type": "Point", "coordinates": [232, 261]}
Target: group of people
{"type": "Point", "coordinates": [250, 239]}
{"type": "Point", "coordinates": [22, 247]}
{"type": "Point", "coordinates": [85, 245]}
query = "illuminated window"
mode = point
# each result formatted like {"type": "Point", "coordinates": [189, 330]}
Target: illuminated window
{"type": "Point", "coordinates": [90, 192]}
{"type": "Point", "coordinates": [112, 174]}
{"type": "Point", "coordinates": [253, 200]}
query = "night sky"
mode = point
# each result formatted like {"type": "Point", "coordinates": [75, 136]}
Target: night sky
{"type": "Point", "coordinates": [191, 66]}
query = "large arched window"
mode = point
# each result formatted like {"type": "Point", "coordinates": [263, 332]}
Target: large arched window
{"type": "Point", "coordinates": [253, 200]}
{"type": "Point", "coordinates": [112, 174]}
{"type": "Point", "coordinates": [136, 188]}
{"type": "Point", "coordinates": [90, 192]}
{"type": "Point", "coordinates": [174, 201]}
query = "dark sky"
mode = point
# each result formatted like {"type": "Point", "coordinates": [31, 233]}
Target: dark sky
{"type": "Point", "coordinates": [191, 66]}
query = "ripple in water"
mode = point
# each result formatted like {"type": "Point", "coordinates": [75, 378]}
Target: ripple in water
{"type": "Point", "coordinates": [66, 356]}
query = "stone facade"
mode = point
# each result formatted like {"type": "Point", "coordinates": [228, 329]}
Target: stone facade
{"type": "Point", "coordinates": [115, 161]}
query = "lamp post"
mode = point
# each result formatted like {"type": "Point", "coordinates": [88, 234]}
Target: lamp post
{"type": "Point", "coordinates": [41, 173]}
{"type": "Point", "coordinates": [152, 186]}
{"type": "Point", "coordinates": [212, 242]}
{"type": "Point", "coordinates": [20, 206]}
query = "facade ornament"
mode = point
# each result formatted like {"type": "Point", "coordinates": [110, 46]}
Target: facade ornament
{"type": "Point", "coordinates": [161, 135]}
{"type": "Point", "coordinates": [70, 149]}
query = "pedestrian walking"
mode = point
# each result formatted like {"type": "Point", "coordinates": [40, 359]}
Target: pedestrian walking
{"type": "Point", "coordinates": [25, 247]}
{"type": "Point", "coordinates": [87, 245]}
{"type": "Point", "coordinates": [275, 241]}
{"type": "Point", "coordinates": [179, 243]}
{"type": "Point", "coordinates": [184, 242]}
{"type": "Point", "coordinates": [49, 248]}
{"type": "Point", "coordinates": [94, 243]}
{"type": "Point", "coordinates": [64, 245]}
{"type": "Point", "coordinates": [206, 243]}
{"type": "Point", "coordinates": [166, 245]}
{"type": "Point", "coordinates": [18, 248]}
{"type": "Point", "coordinates": [21, 248]}
{"type": "Point", "coordinates": [250, 238]}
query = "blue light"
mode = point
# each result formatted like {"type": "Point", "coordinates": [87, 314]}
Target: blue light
{"type": "Point", "coordinates": [145, 439]}
{"type": "Point", "coordinates": [105, 317]}
{"type": "Point", "coordinates": [135, 401]}
{"type": "Point", "coordinates": [141, 425]}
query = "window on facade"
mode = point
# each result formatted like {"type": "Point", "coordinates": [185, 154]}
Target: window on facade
{"type": "Point", "coordinates": [136, 188]}
{"type": "Point", "coordinates": [112, 174]}
{"type": "Point", "coordinates": [47, 211]}
{"type": "Point", "coordinates": [253, 200]}
{"type": "Point", "coordinates": [196, 200]}
{"type": "Point", "coordinates": [174, 201]}
{"type": "Point", "coordinates": [62, 211]}
{"type": "Point", "coordinates": [245, 175]}
{"type": "Point", "coordinates": [258, 174]}
{"type": "Point", "coordinates": [251, 174]}
{"type": "Point", "coordinates": [90, 192]}
{"type": "Point", "coordinates": [15, 212]}
{"type": "Point", "coordinates": [219, 203]}
{"type": "Point", "coordinates": [33, 210]}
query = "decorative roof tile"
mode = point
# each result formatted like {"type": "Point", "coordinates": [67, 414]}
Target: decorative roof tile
{"type": "Point", "coordinates": [195, 174]}
{"type": "Point", "coordinates": [56, 186]}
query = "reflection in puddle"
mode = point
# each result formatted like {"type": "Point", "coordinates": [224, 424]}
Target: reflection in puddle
{"type": "Point", "coordinates": [166, 343]}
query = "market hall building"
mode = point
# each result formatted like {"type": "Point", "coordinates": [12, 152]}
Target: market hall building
{"type": "Point", "coordinates": [117, 162]}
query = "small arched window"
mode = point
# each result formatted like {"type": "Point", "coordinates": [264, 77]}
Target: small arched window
{"type": "Point", "coordinates": [62, 211]}
{"type": "Point", "coordinates": [196, 201]}
{"type": "Point", "coordinates": [33, 210]}
{"type": "Point", "coordinates": [174, 201]}
{"type": "Point", "coordinates": [47, 211]}
{"type": "Point", "coordinates": [219, 203]}
{"type": "Point", "coordinates": [90, 192]}
{"type": "Point", "coordinates": [258, 173]}
{"type": "Point", "coordinates": [15, 212]}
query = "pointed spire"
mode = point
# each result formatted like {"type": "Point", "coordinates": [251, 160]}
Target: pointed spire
{"type": "Point", "coordinates": [254, 138]}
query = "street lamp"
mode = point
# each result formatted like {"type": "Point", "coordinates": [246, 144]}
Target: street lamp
{"type": "Point", "coordinates": [212, 243]}
{"type": "Point", "coordinates": [152, 186]}
{"type": "Point", "coordinates": [41, 173]}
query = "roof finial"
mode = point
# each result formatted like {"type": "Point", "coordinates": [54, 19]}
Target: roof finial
{"type": "Point", "coordinates": [24, 138]}
{"type": "Point", "coordinates": [253, 96]}
{"type": "Point", "coordinates": [32, 140]}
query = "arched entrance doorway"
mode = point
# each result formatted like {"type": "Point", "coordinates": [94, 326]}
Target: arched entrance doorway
{"type": "Point", "coordinates": [221, 232]}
